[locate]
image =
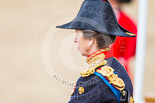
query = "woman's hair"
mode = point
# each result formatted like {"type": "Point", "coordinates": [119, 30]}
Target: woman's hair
{"type": "Point", "coordinates": [103, 40]}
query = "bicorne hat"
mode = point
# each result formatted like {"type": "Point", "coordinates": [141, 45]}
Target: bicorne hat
{"type": "Point", "coordinates": [97, 15]}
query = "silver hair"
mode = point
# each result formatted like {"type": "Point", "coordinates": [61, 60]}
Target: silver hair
{"type": "Point", "coordinates": [103, 40]}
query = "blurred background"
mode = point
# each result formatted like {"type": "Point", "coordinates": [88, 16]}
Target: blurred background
{"type": "Point", "coordinates": [39, 63]}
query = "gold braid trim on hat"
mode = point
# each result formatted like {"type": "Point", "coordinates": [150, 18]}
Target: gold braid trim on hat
{"type": "Point", "coordinates": [131, 34]}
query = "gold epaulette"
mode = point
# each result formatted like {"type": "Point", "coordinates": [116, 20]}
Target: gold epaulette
{"type": "Point", "coordinates": [113, 78]}
{"type": "Point", "coordinates": [91, 68]}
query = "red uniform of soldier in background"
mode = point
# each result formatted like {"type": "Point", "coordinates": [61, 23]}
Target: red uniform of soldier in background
{"type": "Point", "coordinates": [124, 48]}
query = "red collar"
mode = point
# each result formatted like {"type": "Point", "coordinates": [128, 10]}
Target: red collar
{"type": "Point", "coordinates": [108, 53]}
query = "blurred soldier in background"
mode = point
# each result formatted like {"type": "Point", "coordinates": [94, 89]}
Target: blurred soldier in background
{"type": "Point", "coordinates": [124, 48]}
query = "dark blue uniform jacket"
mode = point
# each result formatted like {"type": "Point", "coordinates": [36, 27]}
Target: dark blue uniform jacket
{"type": "Point", "coordinates": [96, 91]}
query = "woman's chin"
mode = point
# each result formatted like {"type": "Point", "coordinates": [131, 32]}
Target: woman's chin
{"type": "Point", "coordinates": [84, 55]}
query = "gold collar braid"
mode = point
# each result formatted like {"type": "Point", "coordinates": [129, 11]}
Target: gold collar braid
{"type": "Point", "coordinates": [97, 55]}
{"type": "Point", "coordinates": [95, 60]}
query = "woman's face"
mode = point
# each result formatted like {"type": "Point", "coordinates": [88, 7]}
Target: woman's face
{"type": "Point", "coordinates": [82, 43]}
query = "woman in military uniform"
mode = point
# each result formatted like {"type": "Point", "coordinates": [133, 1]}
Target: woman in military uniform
{"type": "Point", "coordinates": [105, 80]}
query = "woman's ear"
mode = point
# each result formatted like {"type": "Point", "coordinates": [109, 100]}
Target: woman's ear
{"type": "Point", "coordinates": [91, 41]}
